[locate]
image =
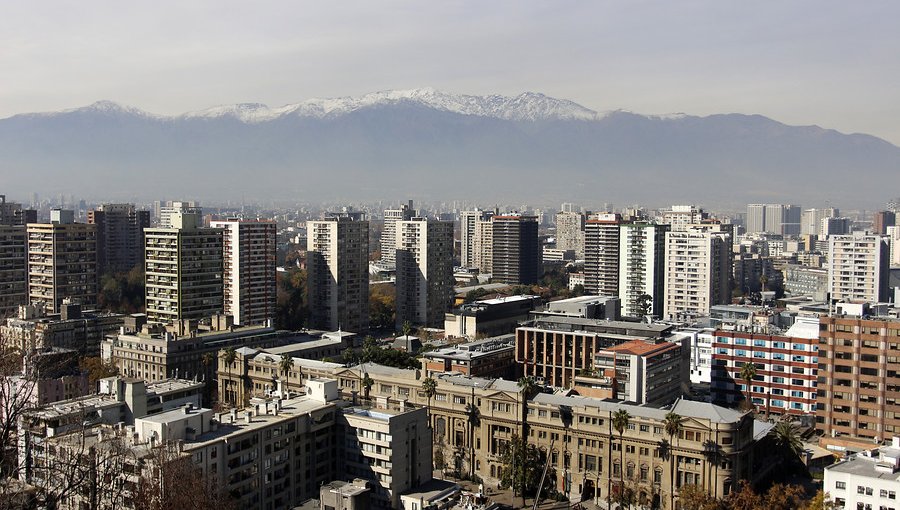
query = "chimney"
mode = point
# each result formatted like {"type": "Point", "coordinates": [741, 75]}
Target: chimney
{"type": "Point", "coordinates": [248, 417]}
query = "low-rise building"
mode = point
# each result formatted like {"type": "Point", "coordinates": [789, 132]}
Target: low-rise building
{"type": "Point", "coordinates": [867, 480]}
{"type": "Point", "coordinates": [489, 317]}
{"type": "Point", "coordinates": [72, 328]}
{"type": "Point", "coordinates": [490, 357]}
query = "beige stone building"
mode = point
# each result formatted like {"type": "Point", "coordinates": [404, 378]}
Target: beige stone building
{"type": "Point", "coordinates": [248, 276]}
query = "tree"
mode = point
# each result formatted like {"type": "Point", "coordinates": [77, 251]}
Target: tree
{"type": "Point", "coordinates": [406, 328]}
{"type": "Point", "coordinates": [229, 356]}
{"type": "Point", "coordinates": [429, 388]}
{"type": "Point", "coordinates": [620, 421]}
{"type": "Point", "coordinates": [382, 307]}
{"type": "Point", "coordinates": [367, 383]}
{"type": "Point", "coordinates": [523, 465]}
{"type": "Point", "coordinates": [286, 364]}
{"type": "Point", "coordinates": [673, 424]}
{"type": "Point", "coordinates": [97, 369]}
{"type": "Point", "coordinates": [786, 437]}
{"type": "Point", "coordinates": [173, 481]}
{"type": "Point", "coordinates": [291, 307]}
{"type": "Point", "coordinates": [526, 386]}
{"type": "Point", "coordinates": [821, 501]}
{"type": "Point", "coordinates": [693, 497]}
{"type": "Point", "coordinates": [473, 418]}
{"type": "Point", "coordinates": [748, 373]}
{"type": "Point", "coordinates": [744, 498]}
{"type": "Point", "coordinates": [644, 305]}
{"type": "Point", "coordinates": [784, 497]}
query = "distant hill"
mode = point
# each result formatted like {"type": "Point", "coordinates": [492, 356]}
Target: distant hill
{"type": "Point", "coordinates": [432, 144]}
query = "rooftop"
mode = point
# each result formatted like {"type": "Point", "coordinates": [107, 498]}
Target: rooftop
{"type": "Point", "coordinates": [641, 347]}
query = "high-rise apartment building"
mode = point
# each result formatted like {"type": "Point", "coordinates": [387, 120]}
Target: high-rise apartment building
{"type": "Point", "coordinates": [183, 270]}
{"type": "Point", "coordinates": [120, 236]}
{"type": "Point", "coordinates": [516, 250]}
{"type": "Point", "coordinates": [811, 220]}
{"type": "Point", "coordinates": [468, 221]}
{"type": "Point", "coordinates": [883, 219]}
{"type": "Point", "coordinates": [13, 287]}
{"type": "Point", "coordinates": [601, 254]}
{"type": "Point", "coordinates": [389, 232]}
{"type": "Point", "coordinates": [248, 274]}
{"type": "Point", "coordinates": [698, 272]}
{"type": "Point", "coordinates": [570, 232]}
{"type": "Point", "coordinates": [642, 248]}
{"type": "Point", "coordinates": [338, 272]}
{"type": "Point", "coordinates": [680, 217]}
{"type": "Point", "coordinates": [62, 261]}
{"type": "Point", "coordinates": [858, 381]}
{"type": "Point", "coordinates": [424, 271]}
{"type": "Point", "coordinates": [483, 246]}
{"type": "Point", "coordinates": [12, 213]}
{"type": "Point", "coordinates": [783, 219]}
{"type": "Point", "coordinates": [835, 227]}
{"type": "Point", "coordinates": [858, 267]}
{"type": "Point", "coordinates": [167, 210]}
{"type": "Point", "coordinates": [893, 235]}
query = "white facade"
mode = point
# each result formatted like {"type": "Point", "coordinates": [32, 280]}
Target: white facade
{"type": "Point", "coordinates": [641, 258]}
{"type": "Point", "coordinates": [389, 232]}
{"type": "Point", "coordinates": [811, 220]}
{"type": "Point", "coordinates": [858, 267]}
{"type": "Point", "coordinates": [893, 235]}
{"type": "Point", "coordinates": [338, 269]}
{"type": "Point", "coordinates": [424, 271]}
{"type": "Point", "coordinates": [869, 480]}
{"type": "Point", "coordinates": [249, 270]}
{"type": "Point", "coordinates": [697, 272]}
{"type": "Point", "coordinates": [701, 353]}
{"type": "Point", "coordinates": [680, 217]}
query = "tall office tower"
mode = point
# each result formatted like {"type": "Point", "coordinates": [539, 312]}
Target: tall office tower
{"type": "Point", "coordinates": [570, 232]}
{"type": "Point", "coordinates": [120, 236]}
{"type": "Point", "coordinates": [835, 227]}
{"type": "Point", "coordinates": [680, 217]}
{"type": "Point", "coordinates": [483, 246]}
{"type": "Point", "coordinates": [516, 249]}
{"type": "Point", "coordinates": [183, 270]}
{"type": "Point", "coordinates": [858, 267]}
{"type": "Point", "coordinates": [811, 220]}
{"type": "Point", "coordinates": [168, 209]}
{"type": "Point", "coordinates": [697, 272]}
{"type": "Point", "coordinates": [13, 265]}
{"type": "Point", "coordinates": [756, 218]}
{"type": "Point", "coordinates": [467, 223]}
{"type": "Point", "coordinates": [389, 232]}
{"type": "Point", "coordinates": [882, 220]}
{"type": "Point", "coordinates": [62, 261]}
{"type": "Point", "coordinates": [790, 220]}
{"type": "Point", "coordinates": [601, 254]}
{"type": "Point", "coordinates": [249, 269]}
{"type": "Point", "coordinates": [642, 249]}
{"type": "Point", "coordinates": [424, 271]}
{"type": "Point", "coordinates": [338, 272]}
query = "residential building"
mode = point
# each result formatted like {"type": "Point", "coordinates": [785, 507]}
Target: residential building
{"type": "Point", "coordinates": [585, 307]}
{"type": "Point", "coordinates": [467, 235]}
{"type": "Point", "coordinates": [698, 272]}
{"type": "Point", "coordinates": [893, 235]}
{"type": "Point", "coordinates": [12, 213]}
{"type": "Point", "coordinates": [489, 357]}
{"type": "Point", "coordinates": [516, 249]}
{"type": "Point", "coordinates": [183, 270]}
{"type": "Point", "coordinates": [867, 480]}
{"type": "Point", "coordinates": [13, 269]}
{"type": "Point", "coordinates": [774, 218]}
{"type": "Point", "coordinates": [62, 261]}
{"type": "Point", "coordinates": [424, 262]}
{"type": "Point", "coordinates": [483, 245]}
{"type": "Point", "coordinates": [802, 280]}
{"type": "Point", "coordinates": [858, 267]}
{"type": "Point", "coordinates": [811, 220]}
{"type": "Point", "coordinates": [248, 276]}
{"type": "Point", "coordinates": [858, 381]}
{"type": "Point", "coordinates": [338, 272]}
{"type": "Point", "coordinates": [167, 210]}
{"type": "Point", "coordinates": [554, 349]}
{"type": "Point", "coordinates": [120, 236]}
{"type": "Point", "coordinates": [72, 328]}
{"type": "Point", "coordinates": [389, 232]}
{"type": "Point", "coordinates": [489, 317]}
{"type": "Point", "coordinates": [570, 232]}
{"type": "Point", "coordinates": [679, 217]}
{"type": "Point", "coordinates": [756, 218]}
{"type": "Point", "coordinates": [701, 342]}
{"type": "Point", "coordinates": [601, 254]}
{"type": "Point", "coordinates": [638, 371]}
{"type": "Point", "coordinates": [882, 220]}
{"type": "Point", "coordinates": [786, 367]}
{"type": "Point", "coordinates": [835, 226]}
{"type": "Point", "coordinates": [642, 249]}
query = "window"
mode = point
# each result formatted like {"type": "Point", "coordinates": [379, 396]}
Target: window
{"type": "Point", "coordinates": [459, 400]}
{"type": "Point", "coordinates": [840, 486]}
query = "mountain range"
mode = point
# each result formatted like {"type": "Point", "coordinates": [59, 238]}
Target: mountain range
{"type": "Point", "coordinates": [429, 144]}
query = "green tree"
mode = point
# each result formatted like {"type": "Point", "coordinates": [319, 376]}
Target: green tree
{"type": "Point", "coordinates": [367, 383]}
{"type": "Point", "coordinates": [693, 497]}
{"type": "Point", "coordinates": [382, 307]}
{"type": "Point", "coordinates": [527, 387]}
{"type": "Point", "coordinates": [523, 465]}
{"type": "Point", "coordinates": [229, 356]}
{"type": "Point", "coordinates": [620, 421]}
{"type": "Point", "coordinates": [821, 501]}
{"type": "Point", "coordinates": [786, 437]}
{"type": "Point", "coordinates": [407, 328]}
{"type": "Point", "coordinates": [644, 305]}
{"type": "Point", "coordinates": [748, 373]}
{"type": "Point", "coordinates": [673, 424]}
{"type": "Point", "coordinates": [286, 364]}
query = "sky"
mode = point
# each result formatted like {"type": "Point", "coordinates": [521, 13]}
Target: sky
{"type": "Point", "coordinates": [833, 64]}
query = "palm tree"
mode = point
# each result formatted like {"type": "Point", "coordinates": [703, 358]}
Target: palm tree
{"type": "Point", "coordinates": [786, 437]}
{"type": "Point", "coordinates": [285, 365]}
{"type": "Point", "coordinates": [620, 421]}
{"type": "Point", "coordinates": [406, 328]}
{"type": "Point", "coordinates": [229, 357]}
{"type": "Point", "coordinates": [527, 386]}
{"type": "Point", "coordinates": [474, 418]}
{"type": "Point", "coordinates": [207, 359]}
{"type": "Point", "coordinates": [673, 424]}
{"type": "Point", "coordinates": [367, 383]}
{"type": "Point", "coordinates": [748, 373]}
{"type": "Point", "coordinates": [429, 388]}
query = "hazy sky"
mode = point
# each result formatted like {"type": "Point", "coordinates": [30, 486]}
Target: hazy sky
{"type": "Point", "coordinates": [835, 64]}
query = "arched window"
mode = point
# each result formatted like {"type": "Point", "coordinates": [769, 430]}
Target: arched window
{"type": "Point", "coordinates": [629, 471]}
{"type": "Point", "coordinates": [657, 475]}
{"type": "Point", "coordinates": [440, 428]}
{"type": "Point", "coordinates": [645, 472]}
